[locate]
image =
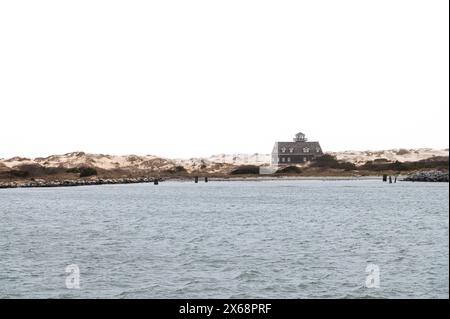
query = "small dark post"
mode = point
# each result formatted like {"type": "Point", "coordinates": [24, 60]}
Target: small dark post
{"type": "Point", "coordinates": [390, 179]}
{"type": "Point", "coordinates": [395, 179]}
{"type": "Point", "coordinates": [155, 181]}
{"type": "Point", "coordinates": [196, 179]}
{"type": "Point", "coordinates": [206, 179]}
{"type": "Point", "coordinates": [384, 178]}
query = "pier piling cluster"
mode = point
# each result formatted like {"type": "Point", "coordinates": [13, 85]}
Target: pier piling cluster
{"type": "Point", "coordinates": [196, 179]}
{"type": "Point", "coordinates": [386, 177]}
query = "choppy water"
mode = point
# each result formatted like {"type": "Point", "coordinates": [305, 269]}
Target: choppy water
{"type": "Point", "coordinates": [271, 239]}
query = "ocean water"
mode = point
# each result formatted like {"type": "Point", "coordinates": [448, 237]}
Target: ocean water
{"type": "Point", "coordinates": [268, 239]}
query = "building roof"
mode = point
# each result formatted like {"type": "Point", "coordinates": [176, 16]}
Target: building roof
{"type": "Point", "coordinates": [297, 148]}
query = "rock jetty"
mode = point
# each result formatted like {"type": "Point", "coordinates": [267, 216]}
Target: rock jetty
{"type": "Point", "coordinates": [76, 182]}
{"type": "Point", "coordinates": [428, 176]}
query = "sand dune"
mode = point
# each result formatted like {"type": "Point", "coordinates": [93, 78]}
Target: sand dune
{"type": "Point", "coordinates": [215, 163]}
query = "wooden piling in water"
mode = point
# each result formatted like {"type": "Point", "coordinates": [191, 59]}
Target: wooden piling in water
{"type": "Point", "coordinates": [155, 181]}
{"type": "Point", "coordinates": [395, 179]}
{"type": "Point", "coordinates": [390, 179]}
{"type": "Point", "coordinates": [384, 178]}
{"type": "Point", "coordinates": [206, 179]}
{"type": "Point", "coordinates": [196, 179]}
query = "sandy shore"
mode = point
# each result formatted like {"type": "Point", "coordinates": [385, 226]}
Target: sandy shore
{"type": "Point", "coordinates": [295, 178]}
{"type": "Point", "coordinates": [119, 181]}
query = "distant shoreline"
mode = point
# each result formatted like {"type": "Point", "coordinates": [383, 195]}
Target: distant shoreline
{"type": "Point", "coordinates": [420, 176]}
{"type": "Point", "coordinates": [145, 180]}
{"type": "Point", "coordinates": [83, 169]}
{"type": "Point", "coordinates": [294, 178]}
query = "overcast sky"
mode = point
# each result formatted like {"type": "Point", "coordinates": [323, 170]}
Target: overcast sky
{"type": "Point", "coordinates": [195, 78]}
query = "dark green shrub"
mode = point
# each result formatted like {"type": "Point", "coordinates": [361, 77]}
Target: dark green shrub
{"type": "Point", "coordinates": [87, 171]}
{"type": "Point", "coordinates": [289, 170]}
{"type": "Point", "coordinates": [381, 160]}
{"type": "Point", "coordinates": [431, 163]}
{"type": "Point", "coordinates": [19, 173]}
{"type": "Point", "coordinates": [37, 170]}
{"type": "Point", "coordinates": [180, 169]}
{"type": "Point", "coordinates": [246, 169]}
{"type": "Point", "coordinates": [176, 170]}
{"type": "Point", "coordinates": [347, 166]}
{"type": "Point", "coordinates": [328, 161]}
{"type": "Point", "coordinates": [325, 161]}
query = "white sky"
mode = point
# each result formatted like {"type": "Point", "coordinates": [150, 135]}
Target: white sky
{"type": "Point", "coordinates": [195, 78]}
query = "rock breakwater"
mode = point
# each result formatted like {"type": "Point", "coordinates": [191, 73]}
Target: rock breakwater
{"type": "Point", "coordinates": [428, 176]}
{"type": "Point", "coordinates": [76, 182]}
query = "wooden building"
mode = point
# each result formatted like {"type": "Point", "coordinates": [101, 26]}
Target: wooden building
{"type": "Point", "coordinates": [299, 151]}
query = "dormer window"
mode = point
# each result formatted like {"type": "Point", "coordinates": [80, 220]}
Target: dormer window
{"type": "Point", "coordinates": [305, 150]}
{"type": "Point", "coordinates": [291, 150]}
{"type": "Point", "coordinates": [283, 149]}
{"type": "Point", "coordinates": [318, 150]}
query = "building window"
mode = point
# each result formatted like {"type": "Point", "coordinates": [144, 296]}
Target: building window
{"type": "Point", "coordinates": [291, 149]}
{"type": "Point", "coordinates": [288, 159]}
{"type": "Point", "coordinates": [283, 149]}
{"type": "Point", "coordinates": [318, 150]}
{"type": "Point", "coordinates": [283, 159]}
{"type": "Point", "coordinates": [305, 159]}
{"type": "Point", "coordinates": [306, 150]}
